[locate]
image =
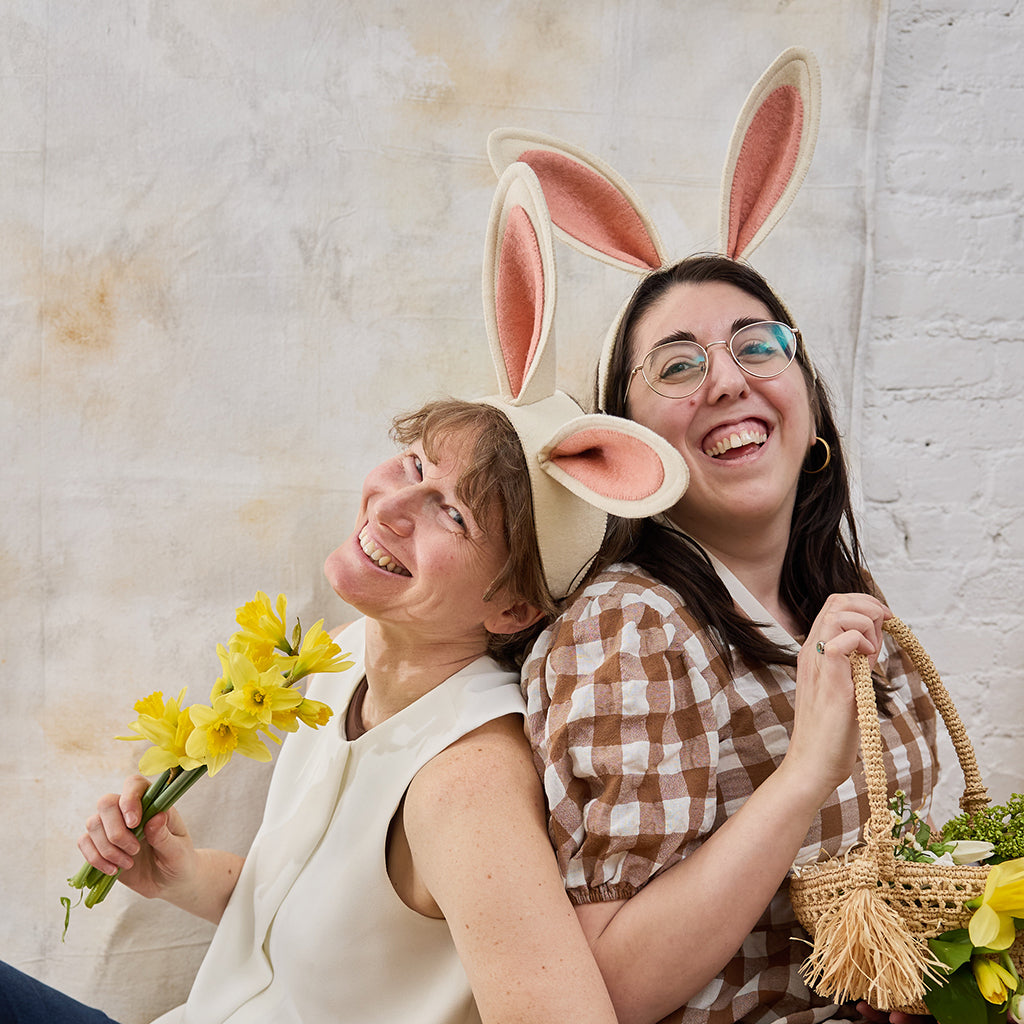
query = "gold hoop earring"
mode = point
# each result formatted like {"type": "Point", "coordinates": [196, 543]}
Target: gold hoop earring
{"type": "Point", "coordinates": [828, 456]}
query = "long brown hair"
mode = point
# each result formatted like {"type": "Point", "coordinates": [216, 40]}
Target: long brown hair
{"type": "Point", "coordinates": [497, 478]}
{"type": "Point", "coordinates": [823, 556]}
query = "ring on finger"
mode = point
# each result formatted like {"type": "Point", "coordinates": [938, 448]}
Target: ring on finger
{"type": "Point", "coordinates": [819, 647]}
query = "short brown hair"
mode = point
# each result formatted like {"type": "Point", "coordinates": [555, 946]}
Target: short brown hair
{"type": "Point", "coordinates": [497, 478]}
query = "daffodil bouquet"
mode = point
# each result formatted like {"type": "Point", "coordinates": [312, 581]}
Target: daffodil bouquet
{"type": "Point", "coordinates": [254, 695]}
{"type": "Point", "coordinates": [975, 977]}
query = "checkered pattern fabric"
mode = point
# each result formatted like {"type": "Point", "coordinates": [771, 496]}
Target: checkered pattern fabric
{"type": "Point", "coordinates": [646, 744]}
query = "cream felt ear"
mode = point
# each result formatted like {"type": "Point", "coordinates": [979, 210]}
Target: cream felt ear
{"type": "Point", "coordinates": [596, 211]}
{"type": "Point", "coordinates": [519, 289]}
{"type": "Point", "coordinates": [592, 207]}
{"type": "Point", "coordinates": [581, 467]}
{"type": "Point", "coordinates": [616, 464]}
{"type": "Point", "coordinates": [770, 151]}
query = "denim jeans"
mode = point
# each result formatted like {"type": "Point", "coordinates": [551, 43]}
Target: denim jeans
{"type": "Point", "coordinates": [23, 1000]}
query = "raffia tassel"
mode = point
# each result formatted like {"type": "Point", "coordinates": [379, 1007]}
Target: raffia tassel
{"type": "Point", "coordinates": [862, 950]}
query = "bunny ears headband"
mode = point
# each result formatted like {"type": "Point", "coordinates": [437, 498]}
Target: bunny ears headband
{"type": "Point", "coordinates": [582, 467]}
{"type": "Point", "coordinates": [595, 211]}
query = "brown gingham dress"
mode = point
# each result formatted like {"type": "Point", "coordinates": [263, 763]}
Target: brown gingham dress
{"type": "Point", "coordinates": [646, 744]}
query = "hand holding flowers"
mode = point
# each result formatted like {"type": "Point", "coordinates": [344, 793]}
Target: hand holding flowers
{"type": "Point", "coordinates": [254, 696]}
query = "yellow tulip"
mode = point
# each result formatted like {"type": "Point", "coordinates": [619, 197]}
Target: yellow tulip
{"type": "Point", "coordinates": [995, 982]}
{"type": "Point", "coordinates": [992, 923]}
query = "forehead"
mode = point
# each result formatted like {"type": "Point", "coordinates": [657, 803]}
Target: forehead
{"type": "Point", "coordinates": [707, 311]}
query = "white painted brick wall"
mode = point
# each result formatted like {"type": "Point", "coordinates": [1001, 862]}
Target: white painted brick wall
{"type": "Point", "coordinates": [941, 427]}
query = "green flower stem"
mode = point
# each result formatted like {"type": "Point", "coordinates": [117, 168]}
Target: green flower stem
{"type": "Point", "coordinates": [169, 796]}
{"type": "Point", "coordinates": [162, 794]}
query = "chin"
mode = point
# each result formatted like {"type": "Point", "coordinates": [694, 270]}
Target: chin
{"type": "Point", "coordinates": [335, 568]}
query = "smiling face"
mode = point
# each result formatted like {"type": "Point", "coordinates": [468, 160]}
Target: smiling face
{"type": "Point", "coordinates": [418, 558]}
{"type": "Point", "coordinates": [743, 438]}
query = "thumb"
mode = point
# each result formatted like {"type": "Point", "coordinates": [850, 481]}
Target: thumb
{"type": "Point", "coordinates": [158, 835]}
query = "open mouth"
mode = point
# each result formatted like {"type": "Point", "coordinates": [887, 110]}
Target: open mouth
{"type": "Point", "coordinates": [380, 556]}
{"type": "Point", "coordinates": [735, 441]}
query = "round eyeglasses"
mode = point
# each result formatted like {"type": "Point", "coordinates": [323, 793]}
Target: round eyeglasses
{"type": "Point", "coordinates": [678, 368]}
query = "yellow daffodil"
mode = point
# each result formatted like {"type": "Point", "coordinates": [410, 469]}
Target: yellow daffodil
{"type": "Point", "coordinates": [313, 713]}
{"type": "Point", "coordinates": [992, 924]}
{"type": "Point", "coordinates": [263, 627]}
{"type": "Point", "coordinates": [317, 653]}
{"type": "Point", "coordinates": [995, 982]}
{"type": "Point", "coordinates": [258, 695]}
{"type": "Point", "coordinates": [217, 735]}
{"type": "Point", "coordinates": [158, 759]}
{"type": "Point", "coordinates": [253, 696]}
{"type": "Point", "coordinates": [167, 728]}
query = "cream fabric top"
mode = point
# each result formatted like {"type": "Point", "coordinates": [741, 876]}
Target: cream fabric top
{"type": "Point", "coordinates": [314, 931]}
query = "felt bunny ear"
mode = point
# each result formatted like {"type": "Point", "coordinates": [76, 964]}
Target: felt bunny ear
{"type": "Point", "coordinates": [592, 207]}
{"type": "Point", "coordinates": [581, 467]}
{"type": "Point", "coordinates": [770, 151]}
{"type": "Point", "coordinates": [519, 289]}
{"type": "Point", "coordinates": [616, 464]}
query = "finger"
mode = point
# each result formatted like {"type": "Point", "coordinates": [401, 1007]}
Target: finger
{"type": "Point", "coordinates": [115, 860]}
{"type": "Point", "coordinates": [157, 833]}
{"type": "Point", "coordinates": [112, 827]}
{"type": "Point", "coordinates": [848, 620]}
{"type": "Point", "coordinates": [868, 1012]}
{"type": "Point", "coordinates": [130, 800]}
{"type": "Point", "coordinates": [843, 645]}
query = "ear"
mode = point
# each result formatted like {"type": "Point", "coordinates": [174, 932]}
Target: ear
{"type": "Point", "coordinates": [592, 207]}
{"type": "Point", "coordinates": [617, 465]}
{"type": "Point", "coordinates": [770, 151]}
{"type": "Point", "coordinates": [519, 288]}
{"type": "Point", "coordinates": [507, 619]}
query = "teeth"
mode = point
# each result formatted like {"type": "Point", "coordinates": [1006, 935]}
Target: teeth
{"type": "Point", "coordinates": [383, 558]}
{"type": "Point", "coordinates": [736, 441]}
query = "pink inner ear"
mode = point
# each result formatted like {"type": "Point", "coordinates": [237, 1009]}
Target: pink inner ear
{"type": "Point", "coordinates": [764, 165]}
{"type": "Point", "coordinates": [589, 208]}
{"type": "Point", "coordinates": [519, 296]}
{"type": "Point", "coordinates": [610, 463]}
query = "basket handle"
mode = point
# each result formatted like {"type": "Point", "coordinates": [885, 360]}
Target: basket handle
{"type": "Point", "coordinates": [880, 842]}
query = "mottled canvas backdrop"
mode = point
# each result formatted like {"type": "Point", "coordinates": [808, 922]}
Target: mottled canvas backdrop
{"type": "Point", "coordinates": [236, 238]}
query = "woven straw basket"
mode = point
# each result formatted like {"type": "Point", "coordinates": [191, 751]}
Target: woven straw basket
{"type": "Point", "coordinates": [871, 914]}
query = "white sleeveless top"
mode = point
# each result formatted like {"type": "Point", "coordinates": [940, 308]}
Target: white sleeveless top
{"type": "Point", "coordinates": [314, 931]}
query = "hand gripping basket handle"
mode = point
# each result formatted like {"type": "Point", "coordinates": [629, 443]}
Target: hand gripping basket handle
{"type": "Point", "coordinates": [879, 841]}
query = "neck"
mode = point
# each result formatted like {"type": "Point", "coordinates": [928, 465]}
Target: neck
{"type": "Point", "coordinates": [402, 667]}
{"type": "Point", "coordinates": [756, 560]}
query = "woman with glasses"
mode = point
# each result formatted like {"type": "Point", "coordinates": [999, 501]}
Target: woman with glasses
{"type": "Point", "coordinates": [691, 711]}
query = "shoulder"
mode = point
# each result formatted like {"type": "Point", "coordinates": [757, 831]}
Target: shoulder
{"type": "Point", "coordinates": [623, 610]}
{"type": "Point", "coordinates": [483, 762]}
{"type": "Point", "coordinates": [624, 584]}
{"type": "Point", "coordinates": [484, 782]}
{"type": "Point", "coordinates": [623, 593]}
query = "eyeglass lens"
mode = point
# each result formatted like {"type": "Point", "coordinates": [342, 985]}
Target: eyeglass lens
{"type": "Point", "coordinates": [679, 368]}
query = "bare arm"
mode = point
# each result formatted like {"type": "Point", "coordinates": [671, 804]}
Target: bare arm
{"type": "Point", "coordinates": [659, 948]}
{"type": "Point", "coordinates": [165, 864]}
{"type": "Point", "coordinates": [475, 823]}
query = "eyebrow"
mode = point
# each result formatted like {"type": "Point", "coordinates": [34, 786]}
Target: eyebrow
{"type": "Point", "coordinates": [681, 335]}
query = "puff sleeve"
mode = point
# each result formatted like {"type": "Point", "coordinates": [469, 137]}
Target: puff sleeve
{"type": "Point", "coordinates": [623, 714]}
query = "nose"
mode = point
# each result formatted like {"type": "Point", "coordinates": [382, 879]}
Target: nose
{"type": "Point", "coordinates": [724, 378]}
{"type": "Point", "coordinates": [396, 510]}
